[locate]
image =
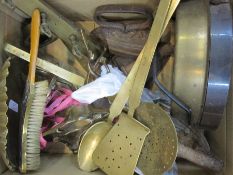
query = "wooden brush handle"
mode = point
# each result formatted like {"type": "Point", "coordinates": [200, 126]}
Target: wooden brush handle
{"type": "Point", "coordinates": [34, 44]}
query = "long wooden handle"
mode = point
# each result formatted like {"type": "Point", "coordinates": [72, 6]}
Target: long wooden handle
{"type": "Point", "coordinates": [34, 44]}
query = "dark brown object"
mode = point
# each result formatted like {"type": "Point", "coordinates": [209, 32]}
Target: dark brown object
{"type": "Point", "coordinates": [130, 44]}
{"type": "Point", "coordinates": [121, 43]}
{"type": "Point", "coordinates": [123, 25]}
{"type": "Point", "coordinates": [124, 37]}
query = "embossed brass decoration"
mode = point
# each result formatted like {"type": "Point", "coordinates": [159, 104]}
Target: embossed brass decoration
{"type": "Point", "coordinates": [4, 72]}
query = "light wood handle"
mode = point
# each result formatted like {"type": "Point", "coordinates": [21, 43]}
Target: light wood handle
{"type": "Point", "coordinates": [34, 44]}
{"type": "Point", "coordinates": [199, 158]}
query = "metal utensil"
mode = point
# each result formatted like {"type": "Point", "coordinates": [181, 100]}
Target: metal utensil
{"type": "Point", "coordinates": [118, 151]}
{"type": "Point", "coordinates": [160, 147]}
{"type": "Point", "coordinates": [88, 144]}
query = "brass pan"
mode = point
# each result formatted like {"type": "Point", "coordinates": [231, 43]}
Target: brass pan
{"type": "Point", "coordinates": [203, 60]}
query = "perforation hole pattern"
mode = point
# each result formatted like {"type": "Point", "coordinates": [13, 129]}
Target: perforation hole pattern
{"type": "Point", "coordinates": [120, 153]}
{"type": "Point", "coordinates": [160, 147]}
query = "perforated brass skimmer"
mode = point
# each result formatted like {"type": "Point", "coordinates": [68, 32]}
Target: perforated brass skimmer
{"type": "Point", "coordinates": [160, 147]}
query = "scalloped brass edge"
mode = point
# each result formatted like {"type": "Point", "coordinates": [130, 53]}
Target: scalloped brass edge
{"type": "Point", "coordinates": [4, 72]}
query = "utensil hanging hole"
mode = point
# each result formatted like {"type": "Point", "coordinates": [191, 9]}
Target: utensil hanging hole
{"type": "Point", "coordinates": [118, 167]}
{"type": "Point", "coordinates": [113, 151]}
{"type": "Point", "coordinates": [113, 159]}
{"type": "Point", "coordinates": [118, 135]}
